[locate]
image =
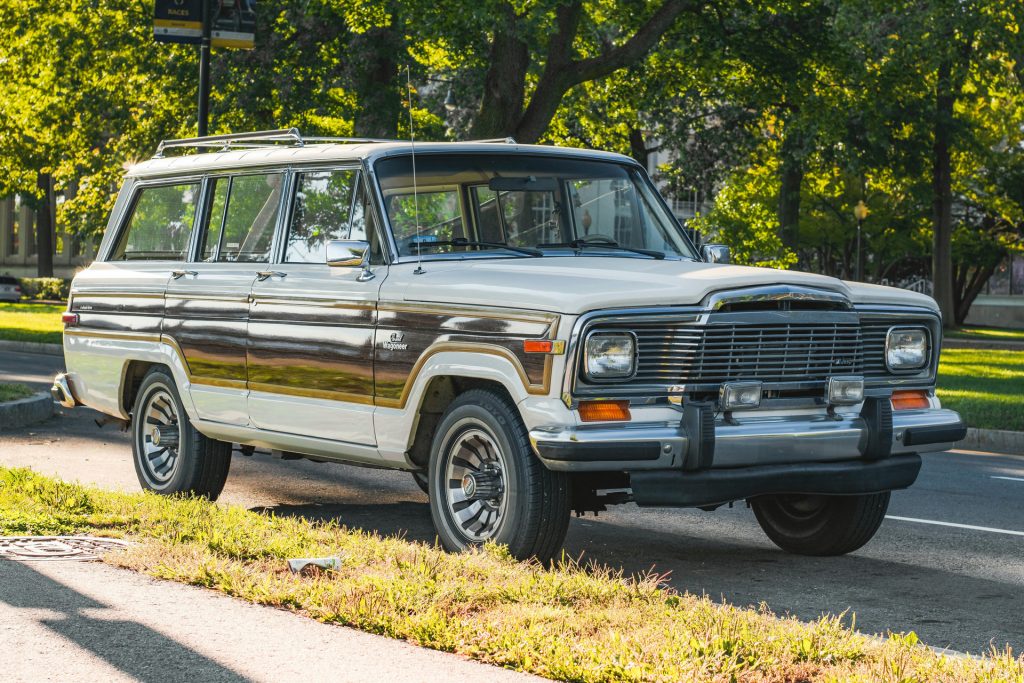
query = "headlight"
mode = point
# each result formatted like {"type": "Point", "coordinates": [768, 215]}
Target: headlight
{"type": "Point", "coordinates": [610, 355]}
{"type": "Point", "coordinates": [906, 348]}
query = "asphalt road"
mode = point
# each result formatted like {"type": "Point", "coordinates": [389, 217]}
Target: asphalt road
{"type": "Point", "coordinates": [947, 564]}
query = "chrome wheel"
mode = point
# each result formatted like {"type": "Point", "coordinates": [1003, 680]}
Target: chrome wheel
{"type": "Point", "coordinates": [475, 476]}
{"type": "Point", "coordinates": [158, 437]}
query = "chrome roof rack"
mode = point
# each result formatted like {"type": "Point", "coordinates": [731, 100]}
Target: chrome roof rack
{"type": "Point", "coordinates": [289, 136]}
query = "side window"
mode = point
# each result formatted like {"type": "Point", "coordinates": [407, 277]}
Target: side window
{"type": "Point", "coordinates": [242, 218]}
{"type": "Point", "coordinates": [322, 212]}
{"type": "Point", "coordinates": [160, 224]}
{"type": "Point", "coordinates": [439, 212]}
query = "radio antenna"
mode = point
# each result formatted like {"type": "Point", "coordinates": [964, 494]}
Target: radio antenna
{"type": "Point", "coordinates": [415, 194]}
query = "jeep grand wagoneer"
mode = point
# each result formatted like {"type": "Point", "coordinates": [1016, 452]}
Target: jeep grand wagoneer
{"type": "Point", "coordinates": [525, 329]}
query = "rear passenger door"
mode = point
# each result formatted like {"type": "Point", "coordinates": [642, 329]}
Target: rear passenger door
{"type": "Point", "coordinates": [311, 326]}
{"type": "Point", "coordinates": [207, 305]}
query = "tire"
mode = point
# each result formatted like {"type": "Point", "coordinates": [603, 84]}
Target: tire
{"type": "Point", "coordinates": [820, 525]}
{"type": "Point", "coordinates": [171, 456]}
{"type": "Point", "coordinates": [422, 481]}
{"type": "Point", "coordinates": [481, 446]}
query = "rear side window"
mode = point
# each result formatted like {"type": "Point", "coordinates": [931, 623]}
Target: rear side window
{"type": "Point", "coordinates": [322, 212]}
{"type": "Point", "coordinates": [242, 218]}
{"type": "Point", "coordinates": [160, 224]}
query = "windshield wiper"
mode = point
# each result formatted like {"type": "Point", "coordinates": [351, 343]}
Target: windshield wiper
{"type": "Point", "coordinates": [603, 244]}
{"type": "Point", "coordinates": [463, 242]}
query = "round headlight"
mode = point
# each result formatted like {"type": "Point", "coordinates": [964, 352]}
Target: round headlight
{"type": "Point", "coordinates": [906, 348]}
{"type": "Point", "coordinates": [610, 355]}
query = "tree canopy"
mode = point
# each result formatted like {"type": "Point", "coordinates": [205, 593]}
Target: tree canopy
{"type": "Point", "coordinates": [787, 112]}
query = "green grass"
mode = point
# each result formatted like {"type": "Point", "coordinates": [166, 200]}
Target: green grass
{"type": "Point", "coordinates": [31, 322]}
{"type": "Point", "coordinates": [987, 334]}
{"type": "Point", "coordinates": [985, 386]}
{"type": "Point", "coordinates": [12, 392]}
{"type": "Point", "coordinates": [570, 622]}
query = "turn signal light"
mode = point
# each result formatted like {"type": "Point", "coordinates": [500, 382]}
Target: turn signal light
{"type": "Point", "coordinates": [602, 411]}
{"type": "Point", "coordinates": [69, 319]}
{"type": "Point", "coordinates": [552, 346]}
{"type": "Point", "coordinates": [908, 400]}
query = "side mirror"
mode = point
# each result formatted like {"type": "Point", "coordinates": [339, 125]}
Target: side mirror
{"type": "Point", "coordinates": [348, 253]}
{"type": "Point", "coordinates": [715, 253]}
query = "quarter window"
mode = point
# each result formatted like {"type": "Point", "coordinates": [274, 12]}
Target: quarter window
{"type": "Point", "coordinates": [160, 225]}
{"type": "Point", "coordinates": [322, 212]}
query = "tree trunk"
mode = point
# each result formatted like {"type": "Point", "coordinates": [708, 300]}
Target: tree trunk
{"type": "Point", "coordinates": [965, 297]}
{"type": "Point", "coordinates": [505, 82]}
{"type": "Point", "coordinates": [791, 177]}
{"type": "Point", "coordinates": [379, 81]}
{"type": "Point", "coordinates": [942, 198]}
{"type": "Point", "coordinates": [638, 147]}
{"type": "Point", "coordinates": [44, 226]}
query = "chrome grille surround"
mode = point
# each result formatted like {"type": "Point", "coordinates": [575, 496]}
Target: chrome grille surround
{"type": "Point", "coordinates": [693, 349]}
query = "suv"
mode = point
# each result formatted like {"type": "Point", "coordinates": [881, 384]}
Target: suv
{"type": "Point", "coordinates": [527, 330]}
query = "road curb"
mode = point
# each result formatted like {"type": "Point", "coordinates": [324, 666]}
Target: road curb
{"type": "Point", "coordinates": [31, 347]}
{"type": "Point", "coordinates": [993, 441]}
{"type": "Point", "coordinates": [26, 411]}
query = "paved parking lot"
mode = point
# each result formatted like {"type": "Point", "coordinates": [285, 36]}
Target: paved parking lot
{"type": "Point", "coordinates": [948, 563]}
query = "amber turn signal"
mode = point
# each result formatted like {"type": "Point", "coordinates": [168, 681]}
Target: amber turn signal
{"type": "Point", "coordinates": [552, 346]}
{"type": "Point", "coordinates": [908, 400]}
{"type": "Point", "coordinates": [602, 411]}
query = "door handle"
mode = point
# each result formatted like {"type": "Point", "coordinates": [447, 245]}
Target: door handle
{"type": "Point", "coordinates": [182, 273]}
{"type": "Point", "coordinates": [264, 274]}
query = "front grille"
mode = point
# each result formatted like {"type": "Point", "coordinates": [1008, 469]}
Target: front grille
{"type": "Point", "coordinates": [779, 352]}
{"type": "Point", "coordinates": [802, 350]}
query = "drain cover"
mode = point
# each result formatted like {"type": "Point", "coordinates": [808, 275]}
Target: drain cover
{"type": "Point", "coordinates": [56, 547]}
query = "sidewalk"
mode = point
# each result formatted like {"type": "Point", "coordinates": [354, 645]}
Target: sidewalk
{"type": "Point", "coordinates": [86, 621]}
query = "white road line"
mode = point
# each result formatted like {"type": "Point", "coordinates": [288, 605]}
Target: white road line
{"type": "Point", "coordinates": [956, 526]}
{"type": "Point", "coordinates": [1009, 478]}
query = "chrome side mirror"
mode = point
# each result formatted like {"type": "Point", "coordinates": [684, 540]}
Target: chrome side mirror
{"type": "Point", "coordinates": [715, 253]}
{"type": "Point", "coordinates": [348, 253]}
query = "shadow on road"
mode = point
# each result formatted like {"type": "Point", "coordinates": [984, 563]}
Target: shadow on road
{"type": "Point", "coordinates": [131, 647]}
{"type": "Point", "coordinates": [404, 519]}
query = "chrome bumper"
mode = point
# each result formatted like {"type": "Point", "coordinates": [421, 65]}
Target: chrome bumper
{"type": "Point", "coordinates": [62, 393]}
{"type": "Point", "coordinates": [751, 441]}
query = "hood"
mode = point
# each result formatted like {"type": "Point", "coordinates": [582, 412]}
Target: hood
{"type": "Point", "coordinates": [578, 284]}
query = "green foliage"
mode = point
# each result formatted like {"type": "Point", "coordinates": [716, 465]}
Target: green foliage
{"type": "Point", "coordinates": [45, 288]}
{"type": "Point", "coordinates": [568, 622]}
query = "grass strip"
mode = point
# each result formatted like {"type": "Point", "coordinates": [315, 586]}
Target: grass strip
{"type": "Point", "coordinates": [31, 322]}
{"type": "Point", "coordinates": [13, 392]}
{"type": "Point", "coordinates": [570, 622]}
{"type": "Point", "coordinates": [986, 386]}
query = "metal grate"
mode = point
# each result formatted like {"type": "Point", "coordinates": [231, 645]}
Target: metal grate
{"type": "Point", "coordinates": [777, 352]}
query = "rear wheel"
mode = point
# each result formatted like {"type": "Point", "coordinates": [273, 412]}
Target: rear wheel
{"type": "Point", "coordinates": [820, 525]}
{"type": "Point", "coordinates": [486, 484]}
{"type": "Point", "coordinates": [170, 455]}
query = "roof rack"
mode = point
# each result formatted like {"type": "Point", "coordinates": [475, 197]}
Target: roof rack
{"type": "Point", "coordinates": [262, 138]}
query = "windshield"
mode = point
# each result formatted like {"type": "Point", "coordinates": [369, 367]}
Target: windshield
{"type": "Point", "coordinates": [479, 202]}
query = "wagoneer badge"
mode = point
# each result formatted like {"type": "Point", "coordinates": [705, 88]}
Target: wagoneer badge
{"type": "Point", "coordinates": [395, 342]}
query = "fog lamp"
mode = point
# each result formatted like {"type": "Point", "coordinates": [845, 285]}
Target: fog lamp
{"type": "Point", "coordinates": [845, 391]}
{"type": "Point", "coordinates": [739, 395]}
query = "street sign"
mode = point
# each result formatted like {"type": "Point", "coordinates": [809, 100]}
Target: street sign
{"type": "Point", "coordinates": [234, 23]}
{"type": "Point", "coordinates": [178, 21]}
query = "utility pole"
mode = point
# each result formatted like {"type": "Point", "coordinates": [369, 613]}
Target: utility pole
{"type": "Point", "coordinates": [204, 71]}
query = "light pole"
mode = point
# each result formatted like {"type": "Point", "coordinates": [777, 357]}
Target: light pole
{"type": "Point", "coordinates": [860, 212]}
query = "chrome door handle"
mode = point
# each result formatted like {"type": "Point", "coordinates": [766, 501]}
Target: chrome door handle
{"type": "Point", "coordinates": [264, 274]}
{"type": "Point", "coordinates": [182, 273]}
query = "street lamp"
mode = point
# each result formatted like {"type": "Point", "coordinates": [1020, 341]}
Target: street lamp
{"type": "Point", "coordinates": [860, 212]}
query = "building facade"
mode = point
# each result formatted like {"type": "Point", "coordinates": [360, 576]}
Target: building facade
{"type": "Point", "coordinates": [18, 244]}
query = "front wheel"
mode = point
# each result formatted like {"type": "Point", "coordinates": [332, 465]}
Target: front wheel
{"type": "Point", "coordinates": [486, 484]}
{"type": "Point", "coordinates": [170, 455]}
{"type": "Point", "coordinates": [820, 525]}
